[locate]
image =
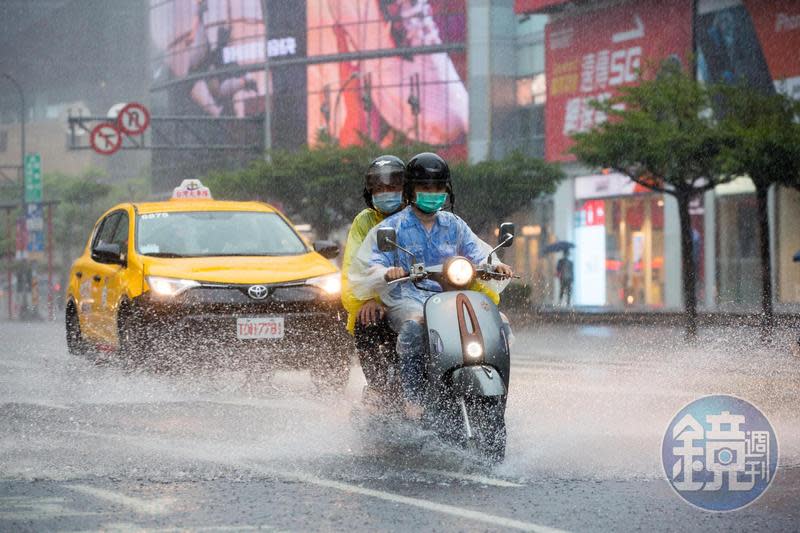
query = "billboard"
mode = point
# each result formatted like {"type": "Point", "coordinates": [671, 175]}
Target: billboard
{"type": "Point", "coordinates": [387, 97]}
{"type": "Point", "coordinates": [591, 54]}
{"type": "Point", "coordinates": [342, 70]}
{"type": "Point", "coordinates": [216, 49]}
{"type": "Point", "coordinates": [756, 41]}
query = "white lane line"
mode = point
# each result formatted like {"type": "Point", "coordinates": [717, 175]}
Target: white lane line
{"type": "Point", "coordinates": [127, 527]}
{"type": "Point", "coordinates": [494, 482]}
{"type": "Point", "coordinates": [24, 508]}
{"type": "Point", "coordinates": [150, 507]}
{"type": "Point", "coordinates": [460, 512]}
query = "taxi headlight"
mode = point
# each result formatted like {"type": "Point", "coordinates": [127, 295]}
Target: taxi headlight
{"type": "Point", "coordinates": [170, 286]}
{"type": "Point", "coordinates": [330, 283]}
{"type": "Point", "coordinates": [459, 272]}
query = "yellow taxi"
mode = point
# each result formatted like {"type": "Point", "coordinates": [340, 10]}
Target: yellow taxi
{"type": "Point", "coordinates": [192, 276]}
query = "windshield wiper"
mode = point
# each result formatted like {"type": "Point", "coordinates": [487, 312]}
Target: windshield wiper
{"type": "Point", "coordinates": [167, 254]}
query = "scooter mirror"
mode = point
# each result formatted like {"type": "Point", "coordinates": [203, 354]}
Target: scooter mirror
{"type": "Point", "coordinates": [386, 239]}
{"type": "Point", "coordinates": [506, 234]}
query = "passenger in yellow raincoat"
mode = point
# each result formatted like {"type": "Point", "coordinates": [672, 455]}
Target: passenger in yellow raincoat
{"type": "Point", "coordinates": [366, 320]}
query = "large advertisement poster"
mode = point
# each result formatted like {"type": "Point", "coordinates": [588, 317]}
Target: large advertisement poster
{"type": "Point", "coordinates": [591, 54]}
{"type": "Point", "coordinates": [756, 42]}
{"type": "Point", "coordinates": [218, 47]}
{"type": "Point", "coordinates": [343, 71]}
{"type": "Point", "coordinates": [385, 97]}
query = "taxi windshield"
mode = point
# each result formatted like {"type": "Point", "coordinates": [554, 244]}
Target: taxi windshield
{"type": "Point", "coordinates": [215, 233]}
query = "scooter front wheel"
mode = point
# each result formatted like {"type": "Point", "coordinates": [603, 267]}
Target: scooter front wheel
{"type": "Point", "coordinates": [485, 427]}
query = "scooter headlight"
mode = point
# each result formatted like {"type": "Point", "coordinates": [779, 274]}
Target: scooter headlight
{"type": "Point", "coordinates": [459, 272]}
{"type": "Point", "coordinates": [474, 349]}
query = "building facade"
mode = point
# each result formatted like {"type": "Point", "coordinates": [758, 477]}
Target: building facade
{"type": "Point", "coordinates": [481, 78]}
{"type": "Point", "coordinates": [627, 241]}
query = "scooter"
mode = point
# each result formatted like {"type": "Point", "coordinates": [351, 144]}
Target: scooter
{"type": "Point", "coordinates": [467, 356]}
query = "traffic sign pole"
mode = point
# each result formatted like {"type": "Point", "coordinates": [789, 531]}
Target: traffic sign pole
{"type": "Point", "coordinates": [10, 277]}
{"type": "Point", "coordinates": [50, 295]}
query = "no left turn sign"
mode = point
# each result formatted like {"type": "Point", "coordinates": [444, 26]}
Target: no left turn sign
{"type": "Point", "coordinates": [105, 138]}
{"type": "Point", "coordinates": [133, 119]}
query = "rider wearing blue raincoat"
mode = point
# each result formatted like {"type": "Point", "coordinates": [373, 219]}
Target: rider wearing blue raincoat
{"type": "Point", "coordinates": [433, 236]}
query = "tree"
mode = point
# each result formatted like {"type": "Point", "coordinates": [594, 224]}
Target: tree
{"type": "Point", "coordinates": [661, 135]}
{"type": "Point", "coordinates": [766, 147]}
{"type": "Point", "coordinates": [322, 185]}
{"type": "Point", "coordinates": [82, 199]}
{"type": "Point", "coordinates": [490, 191]}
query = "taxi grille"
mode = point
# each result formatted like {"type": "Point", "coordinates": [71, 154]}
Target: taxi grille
{"type": "Point", "coordinates": [234, 299]}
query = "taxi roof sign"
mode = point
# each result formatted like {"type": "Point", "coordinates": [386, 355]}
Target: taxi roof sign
{"type": "Point", "coordinates": [191, 189]}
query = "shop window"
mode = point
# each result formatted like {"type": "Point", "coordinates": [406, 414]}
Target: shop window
{"type": "Point", "coordinates": [788, 244]}
{"type": "Point", "coordinates": [620, 251]}
{"type": "Point", "coordinates": [738, 270]}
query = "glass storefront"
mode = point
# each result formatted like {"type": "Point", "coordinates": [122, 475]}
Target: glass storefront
{"type": "Point", "coordinates": [788, 237]}
{"type": "Point", "coordinates": [738, 263]}
{"type": "Point", "coordinates": [619, 244]}
{"type": "Point", "coordinates": [534, 231]}
{"type": "Point", "coordinates": [635, 251]}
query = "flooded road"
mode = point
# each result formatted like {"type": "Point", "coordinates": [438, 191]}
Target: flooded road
{"type": "Point", "coordinates": [91, 445]}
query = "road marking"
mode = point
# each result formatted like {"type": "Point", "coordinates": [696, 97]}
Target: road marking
{"type": "Point", "coordinates": [151, 507]}
{"type": "Point", "coordinates": [471, 477]}
{"type": "Point", "coordinates": [460, 512]}
{"type": "Point", "coordinates": [127, 527]}
{"type": "Point", "coordinates": [23, 508]}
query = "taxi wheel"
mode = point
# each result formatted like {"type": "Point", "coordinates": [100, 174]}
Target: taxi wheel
{"type": "Point", "coordinates": [75, 343]}
{"type": "Point", "coordinates": [332, 375]}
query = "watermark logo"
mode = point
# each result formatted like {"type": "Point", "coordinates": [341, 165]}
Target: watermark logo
{"type": "Point", "coordinates": [720, 453]}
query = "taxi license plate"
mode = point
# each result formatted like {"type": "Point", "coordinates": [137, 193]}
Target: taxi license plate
{"type": "Point", "coordinates": [259, 327]}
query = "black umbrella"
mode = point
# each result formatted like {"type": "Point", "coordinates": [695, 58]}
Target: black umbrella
{"type": "Point", "coordinates": [558, 246]}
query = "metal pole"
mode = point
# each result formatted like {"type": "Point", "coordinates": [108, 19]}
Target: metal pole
{"type": "Point", "coordinates": [268, 80]}
{"type": "Point", "coordinates": [50, 311]}
{"type": "Point", "coordinates": [9, 219]}
{"type": "Point", "coordinates": [21, 142]}
{"type": "Point", "coordinates": [21, 135]}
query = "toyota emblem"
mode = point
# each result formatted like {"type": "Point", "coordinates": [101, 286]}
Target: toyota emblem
{"type": "Point", "coordinates": [257, 292]}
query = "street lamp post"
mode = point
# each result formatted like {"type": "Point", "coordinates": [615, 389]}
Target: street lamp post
{"type": "Point", "coordinates": [21, 134]}
{"type": "Point", "coordinates": [268, 81]}
{"type": "Point", "coordinates": [21, 167]}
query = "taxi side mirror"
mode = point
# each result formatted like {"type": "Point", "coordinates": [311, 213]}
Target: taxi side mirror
{"type": "Point", "coordinates": [387, 239]}
{"type": "Point", "coordinates": [506, 234]}
{"type": "Point", "coordinates": [327, 249]}
{"type": "Point", "coordinates": [110, 253]}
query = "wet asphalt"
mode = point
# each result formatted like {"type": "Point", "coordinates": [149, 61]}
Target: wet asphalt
{"type": "Point", "coordinates": [87, 444]}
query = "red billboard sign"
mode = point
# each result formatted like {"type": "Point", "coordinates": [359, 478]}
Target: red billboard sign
{"type": "Point", "coordinates": [591, 54]}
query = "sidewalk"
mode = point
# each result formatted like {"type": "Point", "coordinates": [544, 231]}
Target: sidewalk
{"type": "Point", "coordinates": [604, 315]}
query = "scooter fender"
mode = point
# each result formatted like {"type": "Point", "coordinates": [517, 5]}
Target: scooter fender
{"type": "Point", "coordinates": [445, 335]}
{"type": "Point", "coordinates": [478, 381]}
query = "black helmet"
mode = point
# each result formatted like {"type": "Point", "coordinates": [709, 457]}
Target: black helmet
{"type": "Point", "coordinates": [386, 170]}
{"type": "Point", "coordinates": [427, 167]}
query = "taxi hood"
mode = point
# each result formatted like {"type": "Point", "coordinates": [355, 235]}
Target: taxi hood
{"type": "Point", "coordinates": [244, 270]}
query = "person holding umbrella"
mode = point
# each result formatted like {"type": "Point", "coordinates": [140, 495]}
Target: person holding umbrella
{"type": "Point", "coordinates": [565, 270]}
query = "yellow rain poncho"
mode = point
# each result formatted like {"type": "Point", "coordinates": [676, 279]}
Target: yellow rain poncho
{"type": "Point", "coordinates": [364, 221]}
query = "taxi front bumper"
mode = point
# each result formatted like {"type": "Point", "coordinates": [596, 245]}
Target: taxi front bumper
{"type": "Point", "coordinates": [202, 323]}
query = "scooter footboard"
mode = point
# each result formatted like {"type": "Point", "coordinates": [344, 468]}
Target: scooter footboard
{"type": "Point", "coordinates": [478, 381]}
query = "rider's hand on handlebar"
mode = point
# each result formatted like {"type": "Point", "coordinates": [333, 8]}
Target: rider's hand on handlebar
{"type": "Point", "coordinates": [395, 273]}
{"type": "Point", "coordinates": [371, 312]}
{"type": "Point", "coordinates": [504, 270]}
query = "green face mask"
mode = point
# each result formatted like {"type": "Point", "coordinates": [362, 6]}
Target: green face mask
{"type": "Point", "coordinates": [430, 202]}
